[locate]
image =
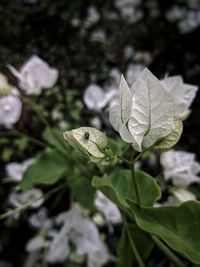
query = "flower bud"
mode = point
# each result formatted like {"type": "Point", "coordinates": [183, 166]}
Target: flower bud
{"type": "Point", "coordinates": [89, 141]}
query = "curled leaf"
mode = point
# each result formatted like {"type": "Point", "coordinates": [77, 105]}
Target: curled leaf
{"type": "Point", "coordinates": [89, 141]}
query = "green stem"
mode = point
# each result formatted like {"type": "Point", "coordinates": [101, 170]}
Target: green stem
{"type": "Point", "coordinates": [133, 178]}
{"type": "Point", "coordinates": [31, 139]}
{"type": "Point", "coordinates": [124, 159]}
{"type": "Point", "coordinates": [133, 246]}
{"type": "Point", "coordinates": [168, 252]}
{"type": "Point", "coordinates": [26, 205]}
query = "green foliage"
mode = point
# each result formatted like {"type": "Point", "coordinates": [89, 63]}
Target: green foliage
{"type": "Point", "coordinates": [178, 226]}
{"type": "Point", "coordinates": [49, 167]}
{"type": "Point", "coordinates": [82, 191]}
{"type": "Point", "coordinates": [142, 241]}
{"type": "Point", "coordinates": [22, 143]}
{"type": "Point", "coordinates": [118, 187]}
{"type": "Point", "coordinates": [55, 138]}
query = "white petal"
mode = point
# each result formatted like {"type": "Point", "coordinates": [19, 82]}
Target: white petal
{"type": "Point", "coordinates": [152, 114]}
{"type": "Point", "coordinates": [10, 110]}
{"type": "Point", "coordinates": [119, 113]}
{"type": "Point", "coordinates": [94, 97]}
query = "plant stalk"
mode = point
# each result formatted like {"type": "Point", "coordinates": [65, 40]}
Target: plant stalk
{"type": "Point", "coordinates": [133, 246]}
{"type": "Point", "coordinates": [133, 179]}
{"type": "Point", "coordinates": [167, 252]}
{"type": "Point", "coordinates": [26, 205]}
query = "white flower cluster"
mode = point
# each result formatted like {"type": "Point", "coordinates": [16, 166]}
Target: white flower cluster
{"type": "Point", "coordinates": [150, 110]}
{"type": "Point", "coordinates": [187, 20]}
{"type": "Point", "coordinates": [75, 228]}
{"type": "Point", "coordinates": [182, 169]}
{"type": "Point", "coordinates": [33, 76]}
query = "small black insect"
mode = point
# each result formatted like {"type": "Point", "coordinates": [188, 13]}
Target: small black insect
{"type": "Point", "coordinates": [86, 135]}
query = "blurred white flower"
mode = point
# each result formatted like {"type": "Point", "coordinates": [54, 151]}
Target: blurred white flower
{"type": "Point", "coordinates": [180, 195]}
{"type": "Point", "coordinates": [95, 98]}
{"type": "Point", "coordinates": [129, 52]}
{"type": "Point", "coordinates": [115, 76]}
{"type": "Point", "coordinates": [175, 13]}
{"type": "Point", "coordinates": [92, 16]}
{"type": "Point", "coordinates": [95, 122]}
{"type": "Point", "coordinates": [5, 88]}
{"type": "Point", "coordinates": [183, 94]}
{"type": "Point", "coordinates": [180, 166]}
{"type": "Point", "coordinates": [122, 3]}
{"type": "Point", "coordinates": [98, 35]}
{"type": "Point", "coordinates": [10, 109]}
{"type": "Point", "coordinates": [15, 170]}
{"type": "Point", "coordinates": [107, 208]}
{"type": "Point", "coordinates": [190, 22]}
{"type": "Point", "coordinates": [63, 125]}
{"type": "Point", "coordinates": [40, 219]}
{"type": "Point", "coordinates": [35, 75]}
{"type": "Point", "coordinates": [83, 233]}
{"type": "Point", "coordinates": [133, 72]}
{"type": "Point", "coordinates": [35, 196]}
{"type": "Point", "coordinates": [36, 243]}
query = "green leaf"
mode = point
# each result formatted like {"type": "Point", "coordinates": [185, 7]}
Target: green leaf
{"type": "Point", "coordinates": [82, 191]}
{"type": "Point", "coordinates": [22, 143]}
{"type": "Point", "coordinates": [55, 138]}
{"type": "Point", "coordinates": [142, 241]}
{"type": "Point", "coordinates": [118, 187]}
{"type": "Point", "coordinates": [50, 165]}
{"type": "Point", "coordinates": [178, 226]}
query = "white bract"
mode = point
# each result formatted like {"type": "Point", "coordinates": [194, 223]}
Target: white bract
{"type": "Point", "coordinates": [180, 195]}
{"type": "Point", "coordinates": [180, 166]}
{"type": "Point", "coordinates": [95, 98]}
{"type": "Point", "coordinates": [33, 196]}
{"type": "Point", "coordinates": [15, 170]}
{"type": "Point", "coordinates": [35, 75]}
{"type": "Point", "coordinates": [83, 233]}
{"type": "Point", "coordinates": [88, 140]}
{"type": "Point", "coordinates": [183, 94]}
{"type": "Point", "coordinates": [36, 243]}
{"type": "Point", "coordinates": [10, 109]}
{"type": "Point", "coordinates": [144, 114]}
{"type": "Point", "coordinates": [5, 88]}
{"type": "Point", "coordinates": [107, 208]}
{"type": "Point", "coordinates": [39, 219]}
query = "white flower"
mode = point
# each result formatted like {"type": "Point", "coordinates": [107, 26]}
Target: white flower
{"type": "Point", "coordinates": [35, 75]}
{"type": "Point", "coordinates": [180, 166]}
{"type": "Point", "coordinates": [10, 109]}
{"type": "Point", "coordinates": [183, 94]}
{"type": "Point", "coordinates": [36, 243]}
{"type": "Point", "coordinates": [5, 88]}
{"type": "Point", "coordinates": [129, 52]}
{"type": "Point", "coordinates": [95, 98]}
{"type": "Point", "coordinates": [18, 199]}
{"type": "Point", "coordinates": [40, 220]}
{"type": "Point", "coordinates": [180, 195]}
{"type": "Point", "coordinates": [107, 208]}
{"type": "Point", "coordinates": [83, 233]}
{"type": "Point", "coordinates": [15, 170]}
{"type": "Point", "coordinates": [92, 16]}
{"type": "Point", "coordinates": [144, 113]}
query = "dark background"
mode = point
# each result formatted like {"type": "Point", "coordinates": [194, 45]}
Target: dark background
{"type": "Point", "coordinates": [44, 28]}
